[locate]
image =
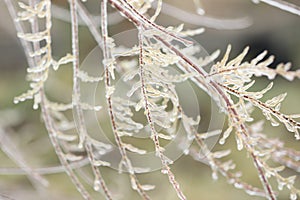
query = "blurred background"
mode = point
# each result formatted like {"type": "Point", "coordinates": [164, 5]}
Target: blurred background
{"type": "Point", "coordinates": [259, 26]}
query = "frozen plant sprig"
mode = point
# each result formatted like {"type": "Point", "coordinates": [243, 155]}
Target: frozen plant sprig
{"type": "Point", "coordinates": [156, 53]}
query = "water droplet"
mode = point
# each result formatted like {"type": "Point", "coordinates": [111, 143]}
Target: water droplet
{"type": "Point", "coordinates": [35, 106]}
{"type": "Point", "coordinates": [214, 176]}
{"type": "Point", "coordinates": [164, 171]}
{"type": "Point", "coordinates": [200, 11]}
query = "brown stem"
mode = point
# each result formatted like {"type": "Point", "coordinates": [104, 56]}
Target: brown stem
{"type": "Point", "coordinates": [107, 54]}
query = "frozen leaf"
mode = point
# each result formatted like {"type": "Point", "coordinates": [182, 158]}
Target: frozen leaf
{"type": "Point", "coordinates": [99, 163]}
{"type": "Point", "coordinates": [72, 157]}
{"type": "Point", "coordinates": [87, 78]}
{"type": "Point", "coordinates": [141, 170]}
{"type": "Point", "coordinates": [276, 100]}
{"type": "Point", "coordinates": [66, 137]}
{"type": "Point", "coordinates": [148, 187]}
{"type": "Point", "coordinates": [64, 60]}
{"type": "Point", "coordinates": [34, 37]}
{"type": "Point", "coordinates": [133, 149]}
{"type": "Point", "coordinates": [166, 137]}
{"type": "Point", "coordinates": [210, 134]}
{"type": "Point", "coordinates": [221, 154]}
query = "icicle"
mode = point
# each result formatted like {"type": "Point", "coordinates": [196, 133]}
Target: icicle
{"type": "Point", "coordinates": [293, 196]}
{"type": "Point", "coordinates": [214, 175]}
{"type": "Point", "coordinates": [239, 143]}
{"type": "Point", "coordinates": [37, 101]}
{"type": "Point", "coordinates": [225, 135]}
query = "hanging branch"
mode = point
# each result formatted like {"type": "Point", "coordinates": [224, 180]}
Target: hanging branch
{"type": "Point", "coordinates": [283, 5]}
{"type": "Point", "coordinates": [109, 90]}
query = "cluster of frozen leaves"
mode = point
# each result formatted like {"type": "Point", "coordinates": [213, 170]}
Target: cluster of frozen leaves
{"type": "Point", "coordinates": [236, 78]}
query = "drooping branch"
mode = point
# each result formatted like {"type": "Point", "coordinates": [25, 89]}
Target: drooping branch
{"type": "Point", "coordinates": [109, 91]}
{"type": "Point", "coordinates": [78, 115]}
{"type": "Point", "coordinates": [148, 113]}
{"type": "Point", "coordinates": [286, 6]}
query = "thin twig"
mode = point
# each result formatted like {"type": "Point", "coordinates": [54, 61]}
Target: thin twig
{"type": "Point", "coordinates": [154, 134]}
{"type": "Point", "coordinates": [154, 25]}
{"type": "Point", "coordinates": [206, 21]}
{"type": "Point", "coordinates": [9, 148]}
{"type": "Point", "coordinates": [64, 15]}
{"type": "Point", "coordinates": [89, 22]}
{"type": "Point", "coordinates": [283, 5]}
{"type": "Point", "coordinates": [107, 54]}
{"type": "Point", "coordinates": [52, 135]}
{"type": "Point", "coordinates": [78, 115]}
